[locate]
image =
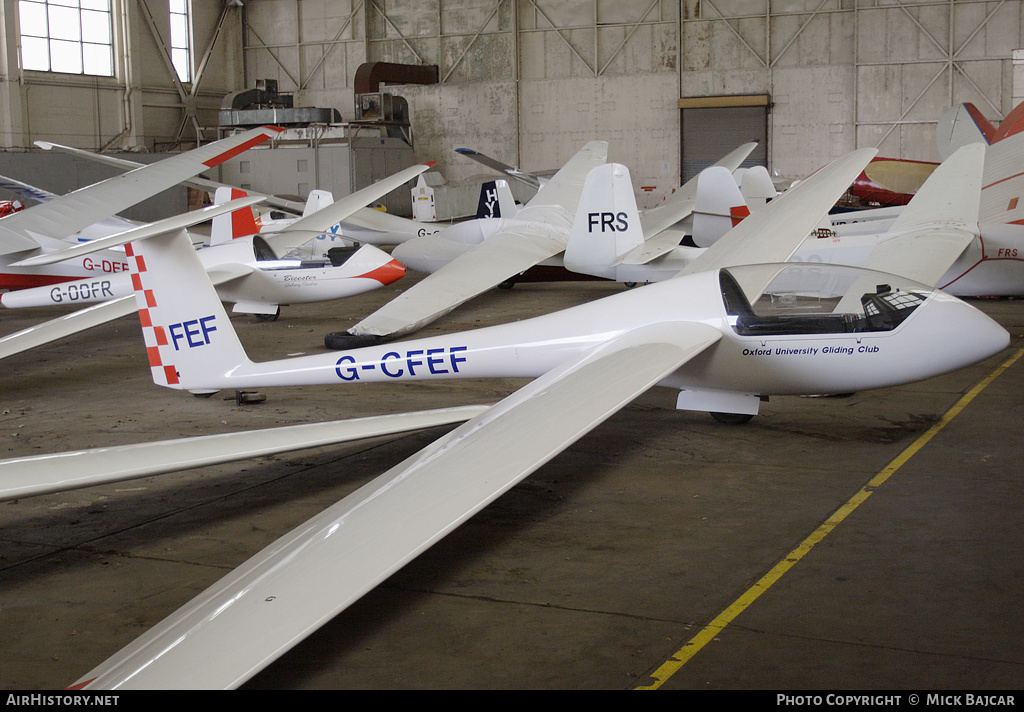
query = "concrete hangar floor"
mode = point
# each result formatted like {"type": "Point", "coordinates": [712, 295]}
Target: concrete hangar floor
{"type": "Point", "coordinates": [591, 574]}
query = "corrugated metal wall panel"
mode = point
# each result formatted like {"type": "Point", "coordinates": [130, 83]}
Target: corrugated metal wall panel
{"type": "Point", "coordinates": [710, 133]}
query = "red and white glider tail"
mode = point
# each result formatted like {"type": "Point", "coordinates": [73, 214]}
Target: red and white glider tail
{"type": "Point", "coordinates": [239, 223]}
{"type": "Point", "coordinates": [184, 324]}
{"type": "Point", "coordinates": [719, 206]}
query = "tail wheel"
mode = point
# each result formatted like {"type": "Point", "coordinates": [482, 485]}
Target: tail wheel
{"type": "Point", "coordinates": [732, 418]}
{"type": "Point", "coordinates": [269, 317]}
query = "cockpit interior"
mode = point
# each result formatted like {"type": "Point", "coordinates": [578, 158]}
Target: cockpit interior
{"type": "Point", "coordinates": [816, 299]}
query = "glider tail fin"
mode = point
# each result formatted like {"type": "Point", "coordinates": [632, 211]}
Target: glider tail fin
{"type": "Point", "coordinates": [959, 126]}
{"type": "Point", "coordinates": [607, 223]}
{"type": "Point", "coordinates": [757, 187]}
{"type": "Point", "coordinates": [240, 223]}
{"type": "Point", "coordinates": [719, 206]}
{"type": "Point", "coordinates": [951, 195]}
{"type": "Point", "coordinates": [496, 200]}
{"type": "Point", "coordinates": [317, 200]}
{"type": "Point", "coordinates": [185, 327]}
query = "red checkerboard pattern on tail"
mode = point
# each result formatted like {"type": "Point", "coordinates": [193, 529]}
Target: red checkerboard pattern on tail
{"type": "Point", "coordinates": [154, 336]}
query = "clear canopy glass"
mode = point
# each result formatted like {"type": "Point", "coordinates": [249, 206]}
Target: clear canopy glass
{"type": "Point", "coordinates": [796, 298]}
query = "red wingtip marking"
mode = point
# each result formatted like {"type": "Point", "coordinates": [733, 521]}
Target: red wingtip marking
{"type": "Point", "coordinates": [82, 685]}
{"type": "Point", "coordinates": [232, 152]}
{"type": "Point", "coordinates": [429, 164]}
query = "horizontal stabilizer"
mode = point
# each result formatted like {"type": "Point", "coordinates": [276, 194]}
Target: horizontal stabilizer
{"type": "Point", "coordinates": [653, 248]}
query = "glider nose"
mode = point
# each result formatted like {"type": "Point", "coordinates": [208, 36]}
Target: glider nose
{"type": "Point", "coordinates": [989, 338]}
{"type": "Point", "coordinates": [376, 264]}
{"type": "Point", "coordinates": [969, 335]}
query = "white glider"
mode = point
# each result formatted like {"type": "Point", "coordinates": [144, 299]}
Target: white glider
{"type": "Point", "coordinates": [44, 227]}
{"type": "Point", "coordinates": [723, 334]}
{"type": "Point", "coordinates": [248, 271]}
{"type": "Point", "coordinates": [932, 241]}
{"type": "Point", "coordinates": [468, 258]}
{"type": "Point", "coordinates": [365, 225]}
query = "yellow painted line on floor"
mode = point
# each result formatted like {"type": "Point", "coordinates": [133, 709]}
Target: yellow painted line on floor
{"type": "Point", "coordinates": [712, 629]}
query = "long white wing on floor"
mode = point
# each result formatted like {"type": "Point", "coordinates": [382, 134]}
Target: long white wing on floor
{"type": "Point", "coordinates": [27, 476]}
{"type": "Point", "coordinates": [66, 325]}
{"type": "Point", "coordinates": [291, 588]}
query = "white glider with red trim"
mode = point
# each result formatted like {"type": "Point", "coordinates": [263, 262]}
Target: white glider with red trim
{"type": "Point", "coordinates": [246, 271]}
{"type": "Point", "coordinates": [724, 335]}
{"type": "Point", "coordinates": [928, 242]}
{"type": "Point", "coordinates": [45, 227]}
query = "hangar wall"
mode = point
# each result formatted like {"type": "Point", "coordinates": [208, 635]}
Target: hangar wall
{"type": "Point", "coordinates": [530, 81]}
{"type": "Point", "coordinates": [143, 104]}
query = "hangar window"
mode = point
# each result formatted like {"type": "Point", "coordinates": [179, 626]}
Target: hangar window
{"type": "Point", "coordinates": [68, 36]}
{"type": "Point", "coordinates": [181, 39]}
